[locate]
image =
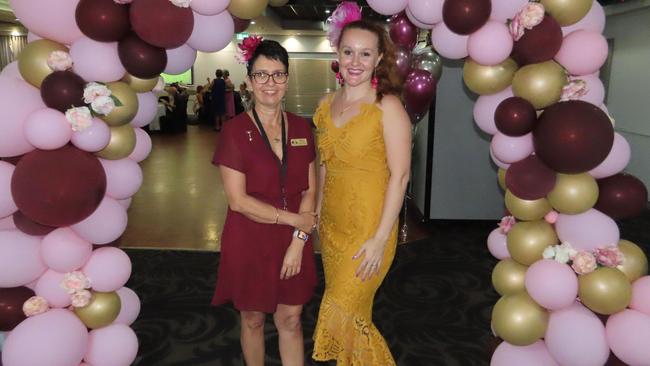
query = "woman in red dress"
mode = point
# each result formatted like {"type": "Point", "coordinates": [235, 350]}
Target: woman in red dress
{"type": "Point", "coordinates": [266, 159]}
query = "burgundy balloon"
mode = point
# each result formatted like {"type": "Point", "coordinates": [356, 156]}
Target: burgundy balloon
{"type": "Point", "coordinates": [419, 90]}
{"type": "Point", "coordinates": [621, 196]}
{"type": "Point", "coordinates": [539, 44]}
{"type": "Point", "coordinates": [11, 306]}
{"type": "Point", "coordinates": [530, 178]}
{"type": "Point", "coordinates": [161, 23]}
{"type": "Point", "coordinates": [141, 59]}
{"type": "Point", "coordinates": [103, 20]}
{"type": "Point", "coordinates": [466, 16]}
{"type": "Point", "coordinates": [58, 187]}
{"type": "Point", "coordinates": [334, 66]}
{"type": "Point", "coordinates": [402, 31]}
{"type": "Point", "coordinates": [403, 60]}
{"type": "Point", "coordinates": [515, 116]}
{"type": "Point", "coordinates": [62, 90]}
{"type": "Point", "coordinates": [29, 226]}
{"type": "Point", "coordinates": [240, 24]}
{"type": "Point", "coordinates": [573, 137]}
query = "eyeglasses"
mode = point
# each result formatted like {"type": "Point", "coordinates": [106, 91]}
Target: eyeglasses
{"type": "Point", "coordinates": [261, 77]}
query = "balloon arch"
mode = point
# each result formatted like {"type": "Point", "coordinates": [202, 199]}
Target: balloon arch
{"type": "Point", "coordinates": [74, 103]}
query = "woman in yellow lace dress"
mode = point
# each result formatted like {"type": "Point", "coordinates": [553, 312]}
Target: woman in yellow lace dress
{"type": "Point", "coordinates": [364, 140]}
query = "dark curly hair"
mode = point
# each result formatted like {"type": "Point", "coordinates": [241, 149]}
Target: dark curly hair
{"type": "Point", "coordinates": [269, 49]}
{"type": "Point", "coordinates": [389, 81]}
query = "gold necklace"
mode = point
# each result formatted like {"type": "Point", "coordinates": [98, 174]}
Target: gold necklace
{"type": "Point", "coordinates": [345, 109]}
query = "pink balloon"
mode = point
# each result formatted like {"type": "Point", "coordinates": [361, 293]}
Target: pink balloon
{"type": "Point", "coordinates": [17, 100]}
{"type": "Point", "coordinates": [209, 7]}
{"type": "Point", "coordinates": [593, 21]}
{"type": "Point", "coordinates": [212, 33]}
{"type": "Point", "coordinates": [52, 19]}
{"type": "Point", "coordinates": [426, 11]}
{"type": "Point", "coordinates": [114, 345]}
{"type": "Point", "coordinates": [416, 22]}
{"type": "Point", "coordinates": [54, 338]}
{"type": "Point", "coordinates": [628, 334]}
{"type": "Point", "coordinates": [86, 52]}
{"type": "Point", "coordinates": [595, 89]}
{"type": "Point", "coordinates": [7, 204]}
{"type": "Point", "coordinates": [93, 138]}
{"type": "Point", "coordinates": [47, 129]}
{"type": "Point", "coordinates": [576, 337]}
{"type": "Point", "coordinates": [142, 145]}
{"type": "Point", "coordinates": [498, 244]}
{"type": "Point", "coordinates": [485, 107]}
{"type": "Point", "coordinates": [498, 162]}
{"type": "Point", "coordinates": [126, 203]}
{"type": "Point", "coordinates": [147, 109]}
{"type": "Point", "coordinates": [535, 354]}
{"type": "Point", "coordinates": [641, 295]}
{"type": "Point", "coordinates": [587, 231]}
{"type": "Point", "coordinates": [104, 225]}
{"type": "Point", "coordinates": [583, 52]}
{"type": "Point", "coordinates": [63, 251]}
{"type": "Point", "coordinates": [502, 10]}
{"type": "Point", "coordinates": [616, 161]}
{"type": "Point", "coordinates": [20, 259]}
{"type": "Point", "coordinates": [448, 43]}
{"type": "Point", "coordinates": [551, 284]}
{"type": "Point", "coordinates": [130, 306]}
{"type": "Point", "coordinates": [509, 149]}
{"type": "Point", "coordinates": [180, 59]}
{"type": "Point", "coordinates": [491, 44]}
{"type": "Point", "coordinates": [7, 223]}
{"type": "Point", "coordinates": [11, 70]}
{"type": "Point", "coordinates": [108, 269]}
{"type": "Point", "coordinates": [49, 288]}
{"type": "Point", "coordinates": [388, 7]}
{"type": "Point", "coordinates": [123, 177]}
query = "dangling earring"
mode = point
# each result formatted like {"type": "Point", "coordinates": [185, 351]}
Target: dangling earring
{"type": "Point", "coordinates": [374, 81]}
{"type": "Point", "coordinates": [339, 78]}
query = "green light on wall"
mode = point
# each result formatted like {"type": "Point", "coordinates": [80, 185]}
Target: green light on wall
{"type": "Point", "coordinates": [184, 78]}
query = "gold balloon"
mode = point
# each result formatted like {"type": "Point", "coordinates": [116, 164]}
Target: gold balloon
{"type": "Point", "coordinates": [32, 61]}
{"type": "Point", "coordinates": [121, 144]}
{"type": "Point", "coordinates": [605, 290]}
{"type": "Point", "coordinates": [528, 210]}
{"type": "Point", "coordinates": [501, 176]}
{"type": "Point", "coordinates": [573, 193]}
{"type": "Point", "coordinates": [635, 264]}
{"type": "Point", "coordinates": [129, 100]}
{"type": "Point", "coordinates": [247, 9]}
{"type": "Point", "coordinates": [527, 240]}
{"type": "Point", "coordinates": [278, 2]}
{"type": "Point", "coordinates": [540, 84]}
{"type": "Point", "coordinates": [567, 12]}
{"type": "Point", "coordinates": [519, 320]}
{"type": "Point", "coordinates": [483, 79]}
{"type": "Point", "coordinates": [140, 85]}
{"type": "Point", "coordinates": [508, 277]}
{"type": "Point", "coordinates": [103, 309]}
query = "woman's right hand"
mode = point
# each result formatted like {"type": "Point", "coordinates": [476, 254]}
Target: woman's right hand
{"type": "Point", "coordinates": [306, 221]}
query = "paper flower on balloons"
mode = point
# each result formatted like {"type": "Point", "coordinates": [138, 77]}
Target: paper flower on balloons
{"type": "Point", "coordinates": [527, 18]}
{"type": "Point", "coordinates": [59, 61]}
{"type": "Point", "coordinates": [75, 281]}
{"type": "Point", "coordinates": [560, 253]}
{"type": "Point", "coordinates": [346, 12]}
{"type": "Point", "coordinates": [35, 305]}
{"type": "Point", "coordinates": [610, 256]}
{"type": "Point", "coordinates": [575, 89]}
{"type": "Point", "coordinates": [507, 223]}
{"type": "Point", "coordinates": [79, 117]}
{"type": "Point", "coordinates": [584, 263]}
{"type": "Point", "coordinates": [80, 299]}
{"type": "Point", "coordinates": [247, 48]}
{"type": "Point", "coordinates": [181, 3]}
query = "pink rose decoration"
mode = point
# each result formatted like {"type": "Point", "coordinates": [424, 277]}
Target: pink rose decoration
{"type": "Point", "coordinates": [532, 14]}
{"type": "Point", "coordinates": [103, 105]}
{"type": "Point", "coordinates": [80, 118]}
{"type": "Point", "coordinates": [583, 263]}
{"type": "Point", "coordinates": [573, 90]}
{"type": "Point", "coordinates": [93, 91]}
{"type": "Point", "coordinates": [507, 223]}
{"type": "Point", "coordinates": [516, 28]}
{"type": "Point", "coordinates": [609, 256]}
{"type": "Point", "coordinates": [59, 61]}
{"type": "Point", "coordinates": [551, 217]}
{"type": "Point", "coordinates": [181, 3]}
{"type": "Point", "coordinates": [81, 298]}
{"type": "Point", "coordinates": [35, 305]}
{"type": "Point", "coordinates": [75, 281]}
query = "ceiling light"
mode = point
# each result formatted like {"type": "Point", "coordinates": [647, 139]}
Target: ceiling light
{"type": "Point", "coordinates": [252, 22]}
{"type": "Point", "coordinates": [327, 11]}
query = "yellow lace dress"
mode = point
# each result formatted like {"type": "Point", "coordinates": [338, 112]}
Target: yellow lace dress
{"type": "Point", "coordinates": [355, 184]}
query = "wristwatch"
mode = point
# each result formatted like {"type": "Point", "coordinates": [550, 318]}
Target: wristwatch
{"type": "Point", "coordinates": [300, 235]}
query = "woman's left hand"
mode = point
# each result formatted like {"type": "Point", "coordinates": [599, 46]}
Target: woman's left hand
{"type": "Point", "coordinates": [372, 254]}
{"type": "Point", "coordinates": [292, 259]}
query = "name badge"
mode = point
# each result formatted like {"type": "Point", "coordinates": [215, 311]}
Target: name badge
{"type": "Point", "coordinates": [298, 142]}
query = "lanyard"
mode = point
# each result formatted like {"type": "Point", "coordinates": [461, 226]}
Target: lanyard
{"type": "Point", "coordinates": [282, 163]}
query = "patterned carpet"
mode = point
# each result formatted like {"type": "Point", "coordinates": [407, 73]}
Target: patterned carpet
{"type": "Point", "coordinates": [433, 309]}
